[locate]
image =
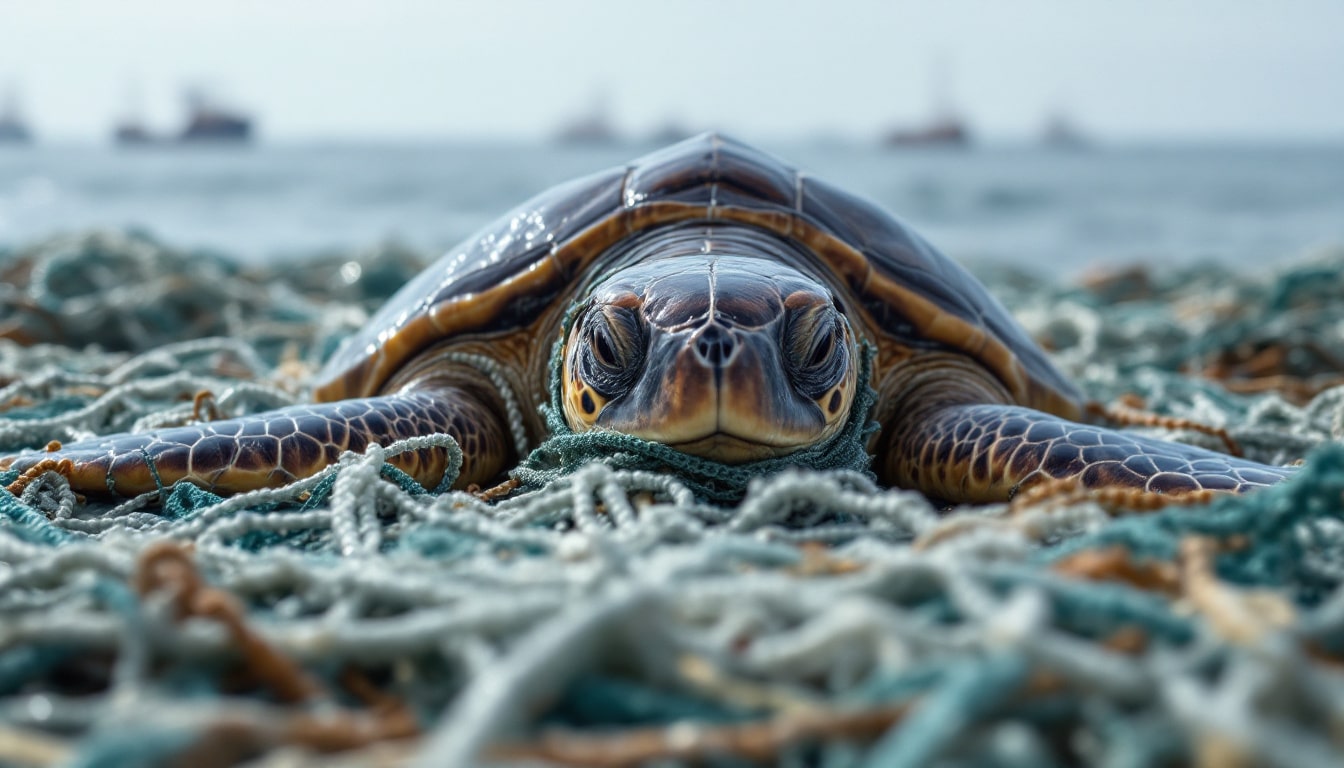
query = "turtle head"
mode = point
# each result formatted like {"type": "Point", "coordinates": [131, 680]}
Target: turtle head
{"type": "Point", "coordinates": [731, 358]}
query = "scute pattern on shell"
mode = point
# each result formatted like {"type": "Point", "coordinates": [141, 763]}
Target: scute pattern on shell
{"type": "Point", "coordinates": [524, 238]}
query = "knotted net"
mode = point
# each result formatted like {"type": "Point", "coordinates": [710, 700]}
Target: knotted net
{"type": "Point", "coordinates": [616, 616]}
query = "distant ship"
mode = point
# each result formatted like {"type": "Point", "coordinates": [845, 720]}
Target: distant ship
{"type": "Point", "coordinates": [13, 129]}
{"type": "Point", "coordinates": [207, 122]}
{"type": "Point", "coordinates": [132, 133]}
{"type": "Point", "coordinates": [588, 131]}
{"type": "Point", "coordinates": [131, 130]}
{"type": "Point", "coordinates": [946, 131]}
{"type": "Point", "coordinates": [591, 129]}
{"type": "Point", "coordinates": [1060, 132]}
{"type": "Point", "coordinates": [670, 132]}
{"type": "Point", "coordinates": [210, 122]}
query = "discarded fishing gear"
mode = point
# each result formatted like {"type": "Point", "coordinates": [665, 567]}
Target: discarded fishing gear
{"type": "Point", "coordinates": [615, 617]}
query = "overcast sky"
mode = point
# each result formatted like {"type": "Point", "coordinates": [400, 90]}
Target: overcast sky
{"type": "Point", "coordinates": [424, 69]}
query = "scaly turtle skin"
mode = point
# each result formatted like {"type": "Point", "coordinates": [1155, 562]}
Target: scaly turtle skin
{"type": "Point", "coordinates": [723, 301]}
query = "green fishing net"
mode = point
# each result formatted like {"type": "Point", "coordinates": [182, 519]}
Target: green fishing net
{"type": "Point", "coordinates": [617, 613]}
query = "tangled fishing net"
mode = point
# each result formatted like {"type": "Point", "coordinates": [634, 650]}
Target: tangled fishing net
{"type": "Point", "coordinates": [614, 617]}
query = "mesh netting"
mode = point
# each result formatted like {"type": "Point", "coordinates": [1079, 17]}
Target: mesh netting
{"type": "Point", "coordinates": [617, 616]}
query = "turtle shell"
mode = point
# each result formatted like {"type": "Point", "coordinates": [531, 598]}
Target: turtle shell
{"type": "Point", "coordinates": [531, 262]}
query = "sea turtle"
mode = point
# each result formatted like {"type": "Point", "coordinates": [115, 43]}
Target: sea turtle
{"type": "Point", "coordinates": [710, 298]}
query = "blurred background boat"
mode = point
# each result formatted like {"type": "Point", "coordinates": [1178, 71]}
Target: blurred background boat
{"type": "Point", "coordinates": [13, 128]}
{"type": "Point", "coordinates": [209, 120]}
{"type": "Point", "coordinates": [1061, 132]}
{"type": "Point", "coordinates": [591, 128]}
{"type": "Point", "coordinates": [944, 131]}
{"type": "Point", "coordinates": [670, 131]}
{"type": "Point", "coordinates": [130, 133]}
{"type": "Point", "coordinates": [946, 127]}
{"type": "Point", "coordinates": [131, 129]}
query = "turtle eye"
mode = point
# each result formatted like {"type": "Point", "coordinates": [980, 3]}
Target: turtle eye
{"type": "Point", "coordinates": [611, 351]}
{"type": "Point", "coordinates": [814, 350]}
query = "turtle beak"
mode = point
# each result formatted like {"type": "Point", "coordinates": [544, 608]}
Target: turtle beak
{"type": "Point", "coordinates": [717, 392]}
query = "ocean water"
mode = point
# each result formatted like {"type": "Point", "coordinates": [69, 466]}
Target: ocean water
{"type": "Point", "coordinates": [1054, 212]}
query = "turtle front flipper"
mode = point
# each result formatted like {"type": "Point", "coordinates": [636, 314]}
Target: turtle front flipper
{"type": "Point", "coordinates": [984, 453]}
{"type": "Point", "coordinates": [277, 447]}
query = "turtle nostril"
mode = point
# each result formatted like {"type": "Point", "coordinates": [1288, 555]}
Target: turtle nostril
{"type": "Point", "coordinates": [714, 346]}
